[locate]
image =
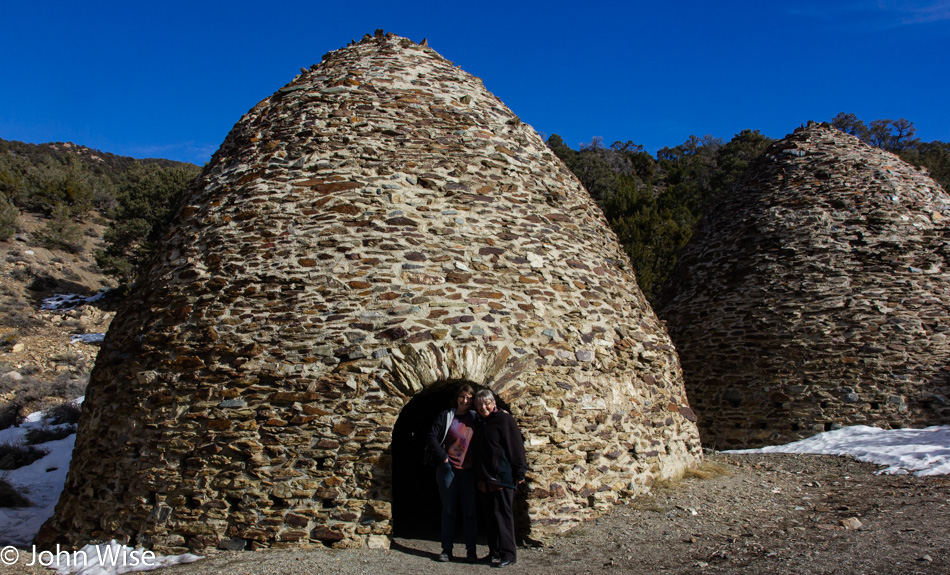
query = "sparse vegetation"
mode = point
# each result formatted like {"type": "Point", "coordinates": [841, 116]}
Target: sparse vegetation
{"type": "Point", "coordinates": [61, 232]}
{"type": "Point", "coordinates": [39, 393]}
{"type": "Point", "coordinates": [38, 435]}
{"type": "Point", "coordinates": [10, 415]}
{"type": "Point", "coordinates": [147, 198]}
{"type": "Point", "coordinates": [9, 497]}
{"type": "Point", "coordinates": [17, 455]}
{"type": "Point", "coordinates": [64, 413]}
{"type": "Point", "coordinates": [707, 470]}
{"type": "Point", "coordinates": [9, 217]}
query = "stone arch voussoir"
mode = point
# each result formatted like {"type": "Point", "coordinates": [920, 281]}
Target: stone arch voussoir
{"type": "Point", "coordinates": [415, 368]}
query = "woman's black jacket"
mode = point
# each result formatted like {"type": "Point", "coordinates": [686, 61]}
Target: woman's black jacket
{"type": "Point", "coordinates": [499, 454]}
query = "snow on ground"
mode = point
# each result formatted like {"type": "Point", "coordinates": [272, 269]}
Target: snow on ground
{"type": "Point", "coordinates": [87, 338]}
{"type": "Point", "coordinates": [920, 451]}
{"type": "Point", "coordinates": [68, 301]}
{"type": "Point", "coordinates": [41, 482]}
{"type": "Point", "coordinates": [110, 558]}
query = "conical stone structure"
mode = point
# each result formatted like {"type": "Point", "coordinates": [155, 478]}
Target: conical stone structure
{"type": "Point", "coordinates": [377, 231]}
{"type": "Point", "coordinates": [815, 295]}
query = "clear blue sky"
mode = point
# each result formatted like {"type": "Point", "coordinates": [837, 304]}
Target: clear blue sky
{"type": "Point", "coordinates": [169, 79]}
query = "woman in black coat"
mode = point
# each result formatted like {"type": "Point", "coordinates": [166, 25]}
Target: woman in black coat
{"type": "Point", "coordinates": [500, 466]}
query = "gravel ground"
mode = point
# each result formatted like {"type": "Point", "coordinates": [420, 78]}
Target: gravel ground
{"type": "Point", "coordinates": [762, 514]}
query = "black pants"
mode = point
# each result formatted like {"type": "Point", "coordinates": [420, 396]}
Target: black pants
{"type": "Point", "coordinates": [500, 527]}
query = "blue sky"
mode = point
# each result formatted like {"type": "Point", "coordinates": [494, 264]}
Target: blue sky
{"type": "Point", "coordinates": [169, 79]}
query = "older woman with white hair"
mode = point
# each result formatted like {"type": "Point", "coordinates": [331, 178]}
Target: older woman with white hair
{"type": "Point", "coordinates": [500, 466]}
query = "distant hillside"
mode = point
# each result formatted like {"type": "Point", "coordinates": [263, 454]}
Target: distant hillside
{"type": "Point", "coordinates": [66, 184]}
{"type": "Point", "coordinates": [105, 163]}
{"type": "Point", "coordinates": [37, 177]}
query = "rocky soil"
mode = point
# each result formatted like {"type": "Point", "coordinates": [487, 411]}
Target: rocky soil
{"type": "Point", "coordinates": [781, 514]}
{"type": "Point", "coordinates": [40, 365]}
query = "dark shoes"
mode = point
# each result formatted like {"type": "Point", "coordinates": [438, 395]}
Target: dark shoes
{"type": "Point", "coordinates": [470, 557]}
{"type": "Point", "coordinates": [503, 563]}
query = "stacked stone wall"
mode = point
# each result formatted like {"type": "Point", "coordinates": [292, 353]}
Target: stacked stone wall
{"type": "Point", "coordinates": [380, 225]}
{"type": "Point", "coordinates": [816, 296]}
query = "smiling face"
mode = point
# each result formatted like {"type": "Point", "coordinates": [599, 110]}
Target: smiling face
{"type": "Point", "coordinates": [464, 400]}
{"type": "Point", "coordinates": [485, 406]}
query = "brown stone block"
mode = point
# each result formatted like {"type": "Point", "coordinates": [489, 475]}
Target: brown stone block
{"type": "Point", "coordinates": [345, 209]}
{"type": "Point", "coordinates": [344, 428]}
{"type": "Point", "coordinates": [187, 362]}
{"type": "Point", "coordinates": [294, 397]}
{"type": "Point", "coordinates": [296, 520]}
{"type": "Point", "coordinates": [327, 494]}
{"type": "Point", "coordinates": [419, 337]}
{"type": "Point", "coordinates": [162, 398]}
{"type": "Point", "coordinates": [393, 334]}
{"type": "Point", "coordinates": [219, 424]}
{"type": "Point", "coordinates": [488, 294]}
{"type": "Point", "coordinates": [326, 534]}
{"type": "Point", "coordinates": [301, 419]}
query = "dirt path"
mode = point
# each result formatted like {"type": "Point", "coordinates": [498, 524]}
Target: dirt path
{"type": "Point", "coordinates": [781, 514]}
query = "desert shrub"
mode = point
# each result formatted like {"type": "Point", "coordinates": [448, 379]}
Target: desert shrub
{"type": "Point", "coordinates": [63, 413]}
{"type": "Point", "coordinates": [61, 232]}
{"type": "Point", "coordinates": [707, 470]}
{"type": "Point", "coordinates": [32, 393]}
{"type": "Point", "coordinates": [9, 219]}
{"type": "Point", "coordinates": [24, 274]}
{"type": "Point", "coordinates": [37, 435]}
{"type": "Point", "coordinates": [70, 357]}
{"type": "Point", "coordinates": [14, 256]}
{"type": "Point", "coordinates": [8, 340]}
{"type": "Point", "coordinates": [16, 455]}
{"type": "Point", "coordinates": [10, 415]}
{"type": "Point", "coordinates": [9, 497]}
{"type": "Point", "coordinates": [68, 385]}
{"type": "Point", "coordinates": [29, 370]}
{"type": "Point", "coordinates": [17, 313]}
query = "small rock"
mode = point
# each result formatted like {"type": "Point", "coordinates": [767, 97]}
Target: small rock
{"type": "Point", "coordinates": [851, 523]}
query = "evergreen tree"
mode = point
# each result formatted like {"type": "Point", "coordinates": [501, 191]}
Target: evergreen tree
{"type": "Point", "coordinates": [148, 196]}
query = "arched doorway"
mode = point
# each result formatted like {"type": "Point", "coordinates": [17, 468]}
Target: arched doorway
{"type": "Point", "coordinates": [416, 505]}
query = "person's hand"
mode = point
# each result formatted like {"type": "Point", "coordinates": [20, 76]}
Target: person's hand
{"type": "Point", "coordinates": [480, 485]}
{"type": "Point", "coordinates": [446, 460]}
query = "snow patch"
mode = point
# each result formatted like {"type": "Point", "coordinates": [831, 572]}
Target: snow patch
{"type": "Point", "coordinates": [87, 338]}
{"type": "Point", "coordinates": [918, 451]}
{"type": "Point", "coordinates": [66, 302]}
